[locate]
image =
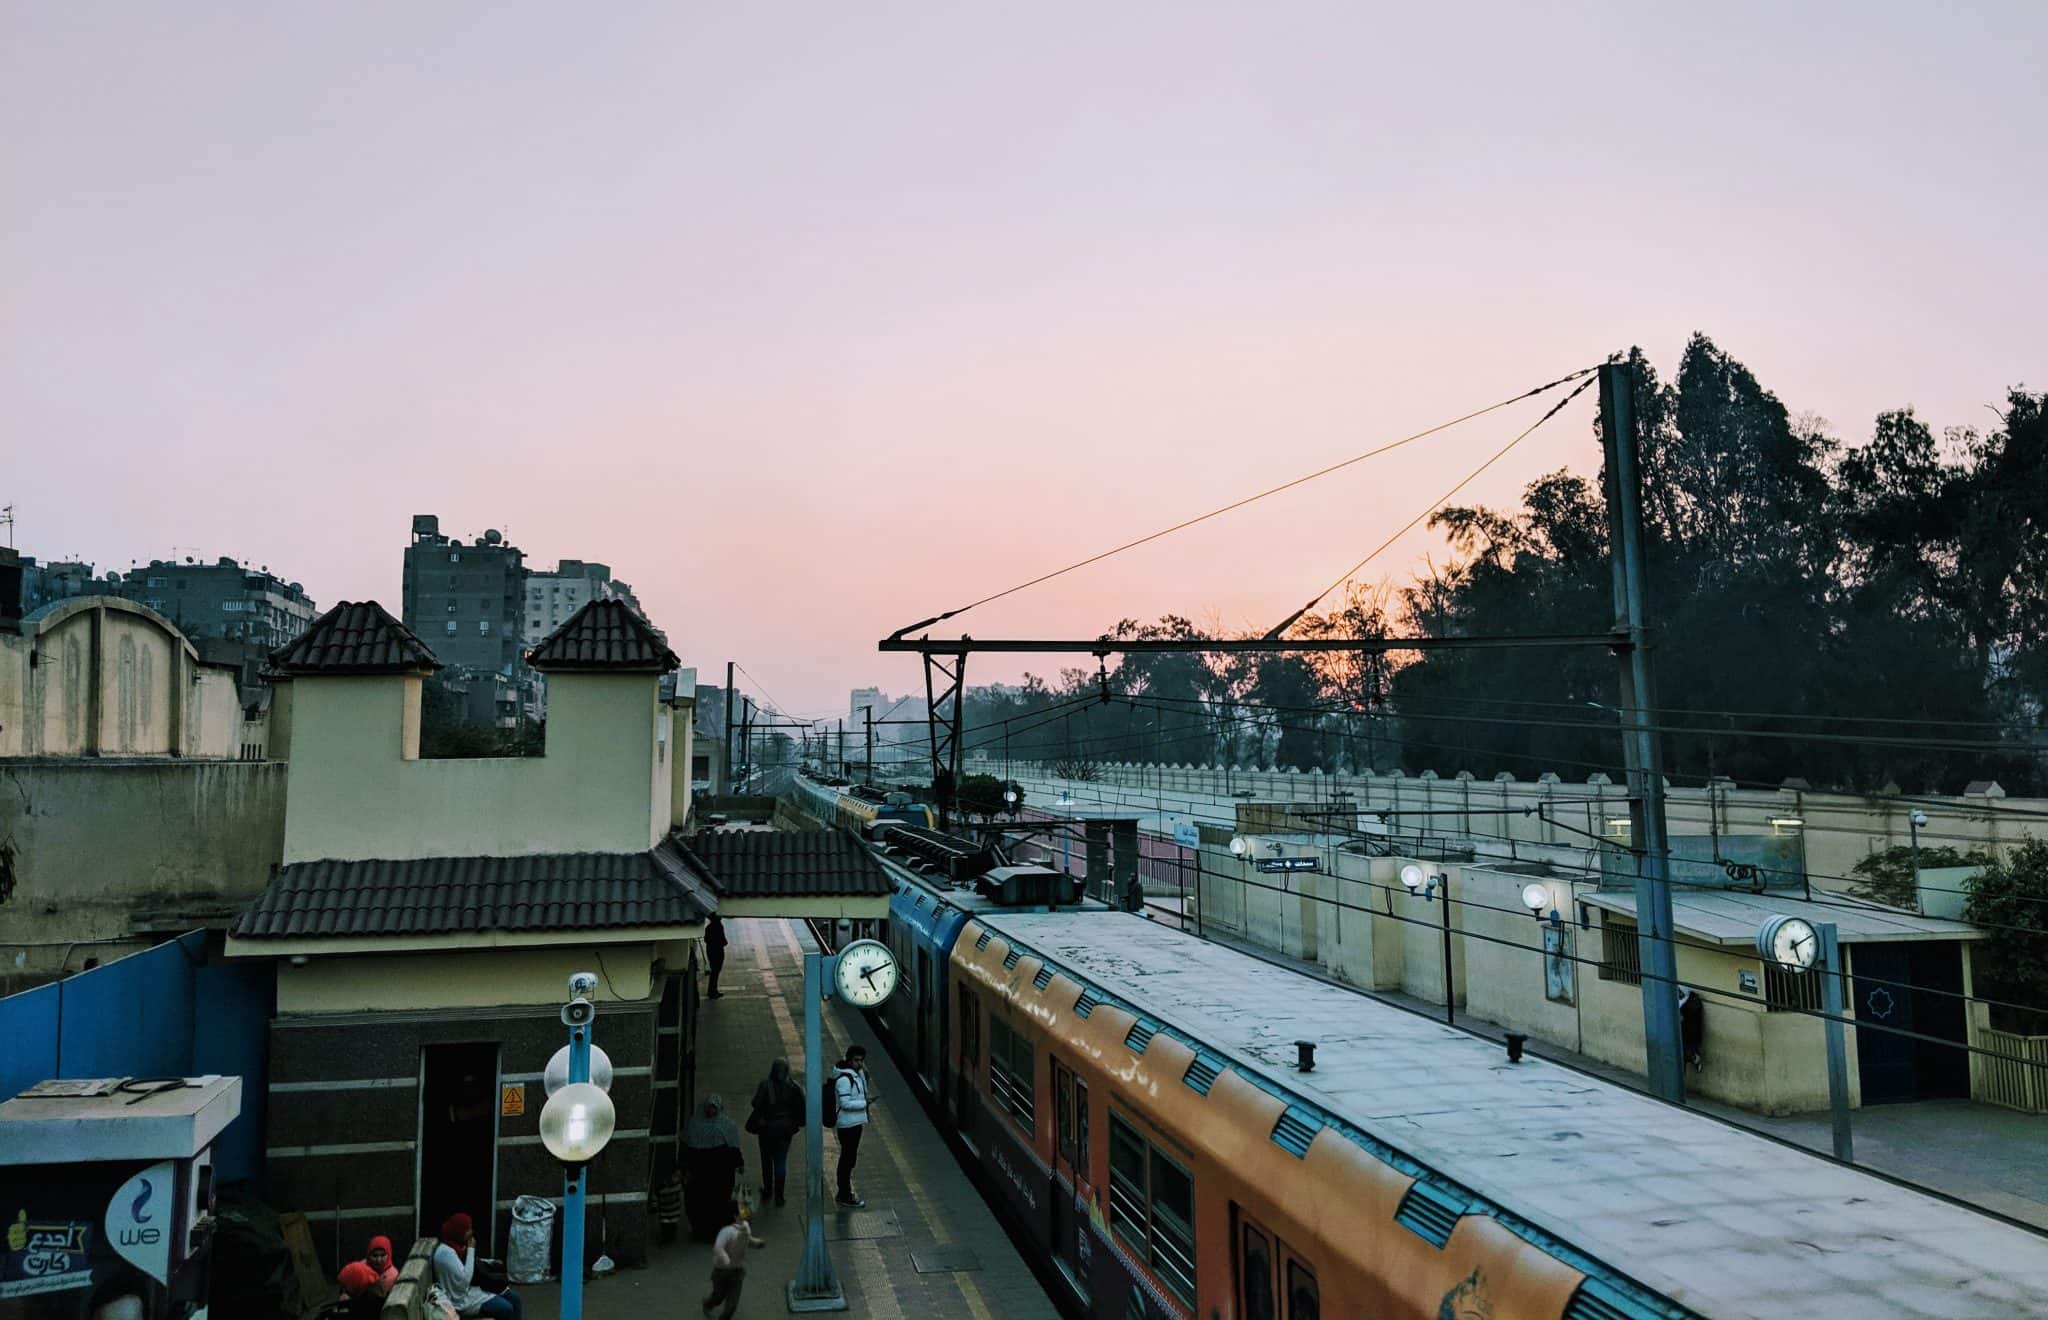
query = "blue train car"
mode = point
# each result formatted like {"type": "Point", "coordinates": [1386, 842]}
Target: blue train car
{"type": "Point", "coordinates": [857, 808]}
{"type": "Point", "coordinates": [922, 928]}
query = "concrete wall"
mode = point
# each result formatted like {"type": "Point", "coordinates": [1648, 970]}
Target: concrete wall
{"type": "Point", "coordinates": [359, 790]}
{"type": "Point", "coordinates": [103, 848]}
{"type": "Point", "coordinates": [1839, 829]}
{"type": "Point", "coordinates": [101, 676]}
{"type": "Point", "coordinates": [370, 983]}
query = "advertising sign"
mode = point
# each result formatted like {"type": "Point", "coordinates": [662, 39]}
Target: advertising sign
{"type": "Point", "coordinates": [1187, 834]}
{"type": "Point", "coordinates": [45, 1253]}
{"type": "Point", "coordinates": [139, 1220]}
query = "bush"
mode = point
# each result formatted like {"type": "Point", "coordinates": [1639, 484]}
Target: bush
{"type": "Point", "coordinates": [2009, 898]}
{"type": "Point", "coordinates": [1887, 876]}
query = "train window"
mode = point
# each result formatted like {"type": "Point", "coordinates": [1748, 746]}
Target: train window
{"type": "Point", "coordinates": [1012, 1074]}
{"type": "Point", "coordinates": [970, 1030]}
{"type": "Point", "coordinates": [1152, 1207]}
{"type": "Point", "coordinates": [1063, 1108]}
{"type": "Point", "coordinates": [1081, 1128]}
{"type": "Point", "coordinates": [1303, 1301]}
{"type": "Point", "coordinates": [1256, 1283]}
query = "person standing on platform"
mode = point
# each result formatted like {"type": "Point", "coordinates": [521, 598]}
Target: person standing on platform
{"type": "Point", "coordinates": [714, 953]}
{"type": "Point", "coordinates": [778, 1114]}
{"type": "Point", "coordinates": [729, 1261]}
{"type": "Point", "coordinates": [850, 1087]}
{"type": "Point", "coordinates": [712, 1162]}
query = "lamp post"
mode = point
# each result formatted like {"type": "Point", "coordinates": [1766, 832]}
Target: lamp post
{"type": "Point", "coordinates": [576, 1125]}
{"type": "Point", "coordinates": [1424, 885]}
{"type": "Point", "coordinates": [1914, 820]}
{"type": "Point", "coordinates": [1066, 835]}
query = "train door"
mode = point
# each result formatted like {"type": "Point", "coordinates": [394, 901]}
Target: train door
{"type": "Point", "coordinates": [927, 1038]}
{"type": "Point", "coordinates": [1071, 1193]}
{"type": "Point", "coordinates": [1273, 1281]}
{"type": "Point", "coordinates": [970, 1065]}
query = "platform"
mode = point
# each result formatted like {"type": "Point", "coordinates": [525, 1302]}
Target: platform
{"type": "Point", "coordinates": [926, 1246]}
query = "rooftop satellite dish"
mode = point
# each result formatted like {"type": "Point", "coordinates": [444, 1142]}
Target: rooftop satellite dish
{"type": "Point", "coordinates": [492, 536]}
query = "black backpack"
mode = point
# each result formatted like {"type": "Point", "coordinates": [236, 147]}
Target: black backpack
{"type": "Point", "coordinates": [829, 1098]}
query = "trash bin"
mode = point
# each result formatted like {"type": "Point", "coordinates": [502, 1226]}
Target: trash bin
{"type": "Point", "coordinates": [533, 1231]}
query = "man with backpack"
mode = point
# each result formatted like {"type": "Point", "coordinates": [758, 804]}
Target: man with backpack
{"type": "Point", "coordinates": [846, 1110]}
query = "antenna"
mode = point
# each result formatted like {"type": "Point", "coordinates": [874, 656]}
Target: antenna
{"type": "Point", "coordinates": [7, 521]}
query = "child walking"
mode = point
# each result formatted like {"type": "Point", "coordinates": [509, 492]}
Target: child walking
{"type": "Point", "coordinates": [729, 1262]}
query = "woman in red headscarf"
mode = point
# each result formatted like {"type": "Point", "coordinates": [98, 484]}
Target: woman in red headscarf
{"type": "Point", "coordinates": [362, 1293]}
{"type": "Point", "coordinates": [455, 1272]}
{"type": "Point", "coordinates": [380, 1261]}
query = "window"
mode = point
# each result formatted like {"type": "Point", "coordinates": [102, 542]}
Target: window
{"type": "Point", "coordinates": [1304, 1300]}
{"type": "Point", "coordinates": [1012, 1075]}
{"type": "Point", "coordinates": [970, 1030]}
{"type": "Point", "coordinates": [1621, 951]}
{"type": "Point", "coordinates": [1070, 1099]}
{"type": "Point", "coordinates": [1257, 1266]}
{"type": "Point", "coordinates": [1787, 991]}
{"type": "Point", "coordinates": [483, 627]}
{"type": "Point", "coordinates": [451, 627]}
{"type": "Point", "coordinates": [1152, 1207]}
{"type": "Point", "coordinates": [1081, 1126]}
{"type": "Point", "coordinates": [454, 558]}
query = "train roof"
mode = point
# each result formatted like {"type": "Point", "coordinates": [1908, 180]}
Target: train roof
{"type": "Point", "coordinates": [1718, 1219]}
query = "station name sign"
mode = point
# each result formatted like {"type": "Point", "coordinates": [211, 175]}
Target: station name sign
{"type": "Point", "coordinates": [1290, 864]}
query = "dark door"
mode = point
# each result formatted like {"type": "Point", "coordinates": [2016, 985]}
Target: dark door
{"type": "Point", "coordinates": [965, 1080]}
{"type": "Point", "coordinates": [1070, 1190]}
{"type": "Point", "coordinates": [926, 1037]}
{"type": "Point", "coordinates": [458, 1150]}
{"type": "Point", "coordinates": [1910, 987]}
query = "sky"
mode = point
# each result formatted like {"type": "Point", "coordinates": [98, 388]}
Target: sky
{"type": "Point", "coordinates": [814, 320]}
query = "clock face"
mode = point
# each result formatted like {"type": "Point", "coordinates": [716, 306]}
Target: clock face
{"type": "Point", "coordinates": [867, 973]}
{"type": "Point", "coordinates": [1794, 944]}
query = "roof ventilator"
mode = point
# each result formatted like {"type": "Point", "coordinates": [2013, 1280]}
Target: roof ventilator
{"type": "Point", "coordinates": [1010, 958]}
{"type": "Point", "coordinates": [981, 943]}
{"type": "Point", "coordinates": [1140, 1035]}
{"type": "Point", "coordinates": [1295, 1130]}
{"type": "Point", "coordinates": [1202, 1074]}
{"type": "Point", "coordinates": [1431, 1212]}
{"type": "Point", "coordinates": [1085, 1004]}
{"type": "Point", "coordinates": [1043, 979]}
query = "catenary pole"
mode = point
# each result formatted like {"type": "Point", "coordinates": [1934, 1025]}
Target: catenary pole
{"type": "Point", "coordinates": [728, 726]}
{"type": "Point", "coordinates": [1642, 746]}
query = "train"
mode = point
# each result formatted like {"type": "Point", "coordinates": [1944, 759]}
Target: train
{"type": "Point", "coordinates": [857, 807]}
{"type": "Point", "coordinates": [1186, 1130]}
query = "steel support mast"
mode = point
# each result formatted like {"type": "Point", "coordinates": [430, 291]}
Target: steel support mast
{"type": "Point", "coordinates": [1642, 746]}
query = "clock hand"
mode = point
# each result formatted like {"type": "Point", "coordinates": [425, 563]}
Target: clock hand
{"type": "Point", "coordinates": [868, 976]}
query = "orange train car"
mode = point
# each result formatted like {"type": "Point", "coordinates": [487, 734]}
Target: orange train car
{"type": "Point", "coordinates": [1133, 1094]}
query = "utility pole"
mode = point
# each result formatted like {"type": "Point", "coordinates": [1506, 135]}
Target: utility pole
{"type": "Point", "coordinates": [868, 766]}
{"type": "Point", "coordinates": [842, 748]}
{"type": "Point", "coordinates": [728, 726]}
{"type": "Point", "coordinates": [1642, 747]}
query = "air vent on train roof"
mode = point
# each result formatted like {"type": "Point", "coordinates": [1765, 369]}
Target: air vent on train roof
{"type": "Point", "coordinates": [1085, 1004]}
{"type": "Point", "coordinates": [1202, 1074]}
{"type": "Point", "coordinates": [1044, 977]}
{"type": "Point", "coordinates": [1140, 1035]}
{"type": "Point", "coordinates": [981, 943]}
{"type": "Point", "coordinates": [1295, 1131]}
{"type": "Point", "coordinates": [1010, 958]}
{"type": "Point", "coordinates": [1599, 1301]}
{"type": "Point", "coordinates": [1430, 1212]}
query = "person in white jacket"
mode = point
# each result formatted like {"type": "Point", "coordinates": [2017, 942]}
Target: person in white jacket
{"type": "Point", "coordinates": [455, 1274]}
{"type": "Point", "coordinates": [850, 1089]}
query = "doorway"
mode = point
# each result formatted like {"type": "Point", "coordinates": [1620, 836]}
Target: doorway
{"type": "Point", "coordinates": [458, 1146]}
{"type": "Point", "coordinates": [1914, 987]}
{"type": "Point", "coordinates": [1071, 1181]}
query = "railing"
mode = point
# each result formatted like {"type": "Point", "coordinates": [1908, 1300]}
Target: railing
{"type": "Point", "coordinates": [2007, 1081]}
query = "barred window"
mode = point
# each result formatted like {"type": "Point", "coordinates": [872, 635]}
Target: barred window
{"type": "Point", "coordinates": [1787, 991]}
{"type": "Point", "coordinates": [1152, 1207]}
{"type": "Point", "coordinates": [1621, 950]}
{"type": "Point", "coordinates": [1012, 1074]}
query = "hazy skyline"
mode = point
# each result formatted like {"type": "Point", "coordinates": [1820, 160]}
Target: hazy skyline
{"type": "Point", "coordinates": [814, 321]}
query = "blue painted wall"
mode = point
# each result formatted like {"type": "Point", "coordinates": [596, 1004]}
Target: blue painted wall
{"type": "Point", "coordinates": [160, 1013]}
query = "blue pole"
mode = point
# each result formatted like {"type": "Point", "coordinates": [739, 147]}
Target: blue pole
{"type": "Point", "coordinates": [1831, 997]}
{"type": "Point", "coordinates": [816, 1285]}
{"type": "Point", "coordinates": [572, 1192]}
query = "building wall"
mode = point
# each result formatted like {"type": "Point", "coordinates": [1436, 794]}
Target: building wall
{"type": "Point", "coordinates": [99, 846]}
{"type": "Point", "coordinates": [358, 790]}
{"type": "Point", "coordinates": [224, 599]}
{"type": "Point", "coordinates": [346, 1066]}
{"type": "Point", "coordinates": [480, 589]}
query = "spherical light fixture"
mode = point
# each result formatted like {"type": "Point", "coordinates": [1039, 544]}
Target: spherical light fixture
{"type": "Point", "coordinates": [1240, 846]}
{"type": "Point", "coordinates": [1536, 898]}
{"type": "Point", "coordinates": [1412, 876]}
{"type": "Point", "coordinates": [576, 1123]}
{"type": "Point", "coordinates": [557, 1075]}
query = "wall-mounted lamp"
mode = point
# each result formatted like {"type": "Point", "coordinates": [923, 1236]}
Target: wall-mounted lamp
{"type": "Point", "coordinates": [1421, 883]}
{"type": "Point", "coordinates": [1536, 898]}
{"type": "Point", "coordinates": [1788, 822]}
{"type": "Point", "coordinates": [1239, 846]}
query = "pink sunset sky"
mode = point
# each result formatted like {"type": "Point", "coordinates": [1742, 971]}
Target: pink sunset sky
{"type": "Point", "coordinates": [815, 320]}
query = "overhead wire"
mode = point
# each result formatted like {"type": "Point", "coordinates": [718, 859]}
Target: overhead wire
{"type": "Point", "coordinates": [1584, 372]}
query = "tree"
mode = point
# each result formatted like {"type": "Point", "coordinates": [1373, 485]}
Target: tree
{"type": "Point", "coordinates": [2009, 898]}
{"type": "Point", "coordinates": [981, 795]}
{"type": "Point", "coordinates": [1886, 876]}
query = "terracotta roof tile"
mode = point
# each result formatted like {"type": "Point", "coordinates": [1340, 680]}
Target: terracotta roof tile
{"type": "Point", "coordinates": [786, 864]}
{"type": "Point", "coordinates": [355, 637]}
{"type": "Point", "coordinates": [604, 634]}
{"type": "Point", "coordinates": [459, 895]}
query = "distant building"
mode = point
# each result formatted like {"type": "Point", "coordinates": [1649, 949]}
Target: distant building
{"type": "Point", "coordinates": [869, 698]}
{"type": "Point", "coordinates": [225, 600]}
{"type": "Point", "coordinates": [465, 600]}
{"type": "Point", "coordinates": [43, 584]}
{"type": "Point", "coordinates": [552, 598]}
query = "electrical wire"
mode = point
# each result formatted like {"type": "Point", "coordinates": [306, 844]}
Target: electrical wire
{"type": "Point", "coordinates": [1440, 501]}
{"type": "Point", "coordinates": [1249, 499]}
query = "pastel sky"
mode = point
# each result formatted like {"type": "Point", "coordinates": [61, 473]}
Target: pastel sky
{"type": "Point", "coordinates": [813, 320]}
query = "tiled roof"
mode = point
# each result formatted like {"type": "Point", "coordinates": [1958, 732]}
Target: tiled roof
{"type": "Point", "coordinates": [605, 634]}
{"type": "Point", "coordinates": [463, 895]}
{"type": "Point", "coordinates": [355, 637]}
{"type": "Point", "coordinates": [786, 864]}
